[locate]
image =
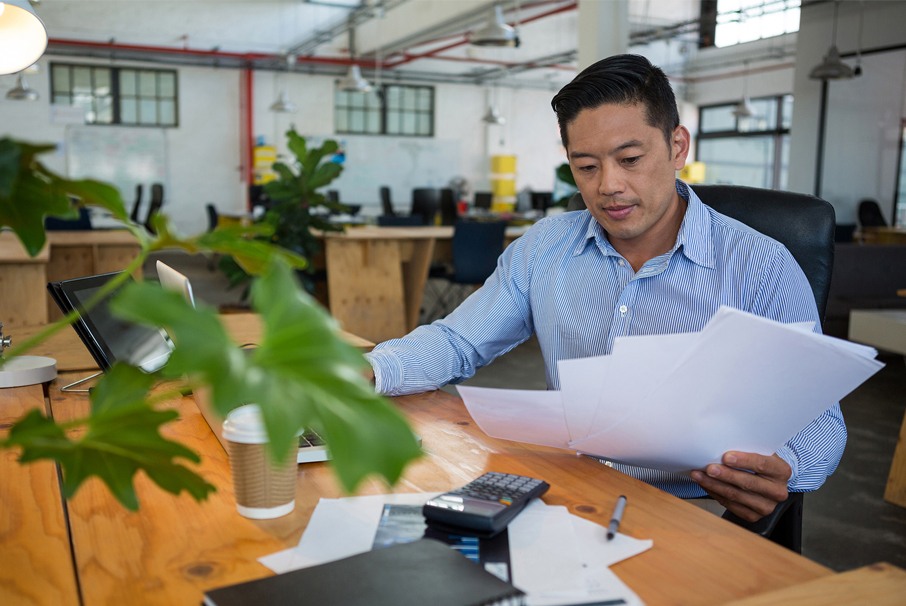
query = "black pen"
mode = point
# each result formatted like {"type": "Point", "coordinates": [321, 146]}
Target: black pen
{"type": "Point", "coordinates": [616, 518]}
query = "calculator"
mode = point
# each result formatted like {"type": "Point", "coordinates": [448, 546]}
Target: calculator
{"type": "Point", "coordinates": [484, 506]}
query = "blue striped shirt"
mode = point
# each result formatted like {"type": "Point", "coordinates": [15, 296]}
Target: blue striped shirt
{"type": "Point", "coordinates": [563, 281]}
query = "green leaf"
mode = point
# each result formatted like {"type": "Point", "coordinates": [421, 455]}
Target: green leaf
{"type": "Point", "coordinates": [96, 193]}
{"type": "Point", "coordinates": [121, 437]}
{"type": "Point", "coordinates": [10, 153]}
{"type": "Point", "coordinates": [301, 374]}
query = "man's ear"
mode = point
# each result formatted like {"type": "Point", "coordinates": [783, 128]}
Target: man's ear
{"type": "Point", "coordinates": [679, 145]}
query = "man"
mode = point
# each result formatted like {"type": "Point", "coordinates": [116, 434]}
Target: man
{"type": "Point", "coordinates": [647, 257]}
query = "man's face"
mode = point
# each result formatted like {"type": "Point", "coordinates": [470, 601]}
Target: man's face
{"type": "Point", "coordinates": [626, 173]}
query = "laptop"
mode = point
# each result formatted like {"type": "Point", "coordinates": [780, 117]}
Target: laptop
{"type": "Point", "coordinates": [107, 337]}
{"type": "Point", "coordinates": [311, 446]}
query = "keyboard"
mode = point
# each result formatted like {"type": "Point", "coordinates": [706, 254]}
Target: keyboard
{"type": "Point", "coordinates": [311, 448]}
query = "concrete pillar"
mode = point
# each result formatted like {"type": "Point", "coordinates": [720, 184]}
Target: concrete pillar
{"type": "Point", "coordinates": [603, 29]}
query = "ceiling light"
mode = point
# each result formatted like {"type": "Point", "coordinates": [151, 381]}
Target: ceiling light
{"type": "Point", "coordinates": [21, 91]}
{"type": "Point", "coordinates": [492, 117]}
{"type": "Point", "coordinates": [832, 68]}
{"type": "Point", "coordinates": [354, 82]}
{"type": "Point", "coordinates": [283, 104]}
{"type": "Point", "coordinates": [23, 37]}
{"type": "Point", "coordinates": [744, 109]}
{"type": "Point", "coordinates": [496, 32]}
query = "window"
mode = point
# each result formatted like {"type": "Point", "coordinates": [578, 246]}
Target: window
{"type": "Point", "coordinates": [747, 20]}
{"type": "Point", "coordinates": [751, 150]}
{"type": "Point", "coordinates": [394, 109]}
{"type": "Point", "coordinates": [117, 95]}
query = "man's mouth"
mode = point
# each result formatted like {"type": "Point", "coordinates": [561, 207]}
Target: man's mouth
{"type": "Point", "coordinates": [618, 212]}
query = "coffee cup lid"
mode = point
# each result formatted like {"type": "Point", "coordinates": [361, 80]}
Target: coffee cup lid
{"type": "Point", "coordinates": [245, 425]}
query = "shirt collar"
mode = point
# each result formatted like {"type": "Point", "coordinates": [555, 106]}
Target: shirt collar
{"type": "Point", "coordinates": [693, 239]}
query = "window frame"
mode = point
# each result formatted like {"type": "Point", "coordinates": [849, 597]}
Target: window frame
{"type": "Point", "coordinates": [779, 132]}
{"type": "Point", "coordinates": [117, 97]}
{"type": "Point", "coordinates": [391, 113]}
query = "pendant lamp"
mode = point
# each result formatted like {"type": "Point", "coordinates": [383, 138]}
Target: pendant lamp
{"type": "Point", "coordinates": [283, 104]}
{"type": "Point", "coordinates": [21, 91]}
{"type": "Point", "coordinates": [493, 117]}
{"type": "Point", "coordinates": [23, 37]}
{"type": "Point", "coordinates": [744, 108]}
{"type": "Point", "coordinates": [832, 67]}
{"type": "Point", "coordinates": [353, 82]}
{"type": "Point", "coordinates": [495, 32]}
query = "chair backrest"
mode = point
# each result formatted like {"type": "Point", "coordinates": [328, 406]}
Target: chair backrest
{"type": "Point", "coordinates": [870, 214]}
{"type": "Point", "coordinates": [333, 196]}
{"type": "Point", "coordinates": [476, 247]}
{"type": "Point", "coordinates": [482, 199]}
{"type": "Point", "coordinates": [154, 206]}
{"type": "Point", "coordinates": [801, 222]}
{"type": "Point", "coordinates": [136, 206]}
{"type": "Point", "coordinates": [447, 207]}
{"type": "Point", "coordinates": [212, 216]}
{"type": "Point", "coordinates": [386, 201]}
{"type": "Point", "coordinates": [541, 200]}
{"type": "Point", "coordinates": [400, 220]}
{"type": "Point", "coordinates": [425, 202]}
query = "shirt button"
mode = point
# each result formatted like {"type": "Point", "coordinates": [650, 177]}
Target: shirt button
{"type": "Point", "coordinates": [621, 263]}
{"type": "Point", "coordinates": [623, 309]}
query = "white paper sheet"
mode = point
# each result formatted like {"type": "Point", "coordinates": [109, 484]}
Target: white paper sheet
{"type": "Point", "coordinates": [556, 557]}
{"type": "Point", "coordinates": [678, 402]}
{"type": "Point", "coordinates": [536, 415]}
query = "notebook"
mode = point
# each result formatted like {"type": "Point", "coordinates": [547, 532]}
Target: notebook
{"type": "Point", "coordinates": [311, 446]}
{"type": "Point", "coordinates": [421, 572]}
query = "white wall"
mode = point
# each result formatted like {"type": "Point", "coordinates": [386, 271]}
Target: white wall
{"type": "Point", "coordinates": [203, 153]}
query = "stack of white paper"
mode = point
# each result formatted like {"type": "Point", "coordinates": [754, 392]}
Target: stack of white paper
{"type": "Point", "coordinates": [678, 402]}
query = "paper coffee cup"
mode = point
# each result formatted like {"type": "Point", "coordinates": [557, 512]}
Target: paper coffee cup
{"type": "Point", "coordinates": [264, 489]}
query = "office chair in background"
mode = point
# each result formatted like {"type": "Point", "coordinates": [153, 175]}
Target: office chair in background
{"type": "Point", "coordinates": [137, 205]}
{"type": "Point", "coordinates": [805, 225]}
{"type": "Point", "coordinates": [154, 206]}
{"type": "Point", "coordinates": [425, 202]}
{"type": "Point", "coordinates": [870, 214]}
{"type": "Point", "coordinates": [475, 249]}
{"type": "Point", "coordinates": [448, 212]}
{"type": "Point", "coordinates": [386, 201]}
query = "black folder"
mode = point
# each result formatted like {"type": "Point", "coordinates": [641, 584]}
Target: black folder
{"type": "Point", "coordinates": [422, 572]}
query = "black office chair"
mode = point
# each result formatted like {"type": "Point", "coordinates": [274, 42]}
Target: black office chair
{"type": "Point", "coordinates": [386, 201]}
{"type": "Point", "coordinates": [448, 212]}
{"type": "Point", "coordinates": [425, 202]}
{"type": "Point", "coordinates": [542, 200]}
{"type": "Point", "coordinates": [213, 216]}
{"type": "Point", "coordinates": [154, 206]}
{"type": "Point", "coordinates": [137, 205]}
{"type": "Point", "coordinates": [806, 226]}
{"type": "Point", "coordinates": [475, 248]}
{"type": "Point", "coordinates": [400, 220]}
{"type": "Point", "coordinates": [870, 214]}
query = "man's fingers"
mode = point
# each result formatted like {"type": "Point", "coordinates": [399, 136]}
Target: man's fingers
{"type": "Point", "coordinates": [748, 503]}
{"type": "Point", "coordinates": [768, 466]}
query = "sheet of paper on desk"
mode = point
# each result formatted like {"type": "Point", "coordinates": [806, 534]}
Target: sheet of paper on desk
{"type": "Point", "coordinates": [678, 402]}
{"type": "Point", "coordinates": [539, 536]}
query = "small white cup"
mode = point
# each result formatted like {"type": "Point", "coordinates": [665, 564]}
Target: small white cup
{"type": "Point", "coordinates": [264, 489]}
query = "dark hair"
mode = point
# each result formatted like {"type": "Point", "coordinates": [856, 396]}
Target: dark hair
{"type": "Point", "coordinates": [624, 80]}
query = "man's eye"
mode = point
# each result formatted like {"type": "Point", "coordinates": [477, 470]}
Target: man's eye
{"type": "Point", "coordinates": [631, 160]}
{"type": "Point", "coordinates": [585, 169]}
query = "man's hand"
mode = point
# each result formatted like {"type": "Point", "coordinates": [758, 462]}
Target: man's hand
{"type": "Point", "coordinates": [747, 484]}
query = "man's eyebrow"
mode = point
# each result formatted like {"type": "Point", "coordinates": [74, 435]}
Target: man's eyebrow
{"type": "Point", "coordinates": [623, 146]}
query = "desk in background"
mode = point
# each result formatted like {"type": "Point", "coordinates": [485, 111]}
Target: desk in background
{"type": "Point", "coordinates": [173, 549]}
{"type": "Point", "coordinates": [68, 254]}
{"type": "Point", "coordinates": [376, 275]}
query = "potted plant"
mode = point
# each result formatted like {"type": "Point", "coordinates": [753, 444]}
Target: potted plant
{"type": "Point", "coordinates": [297, 207]}
{"type": "Point", "coordinates": [302, 374]}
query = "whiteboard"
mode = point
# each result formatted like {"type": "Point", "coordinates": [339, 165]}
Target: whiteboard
{"type": "Point", "coordinates": [402, 163]}
{"type": "Point", "coordinates": [121, 156]}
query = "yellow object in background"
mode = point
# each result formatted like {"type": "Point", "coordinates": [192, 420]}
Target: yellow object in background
{"type": "Point", "coordinates": [503, 184]}
{"type": "Point", "coordinates": [263, 158]}
{"type": "Point", "coordinates": [693, 172]}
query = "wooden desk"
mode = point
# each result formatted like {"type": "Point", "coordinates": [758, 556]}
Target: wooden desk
{"type": "Point", "coordinates": [883, 235]}
{"type": "Point", "coordinates": [886, 329]}
{"type": "Point", "coordinates": [174, 549]}
{"type": "Point", "coordinates": [67, 254]}
{"type": "Point", "coordinates": [376, 276]}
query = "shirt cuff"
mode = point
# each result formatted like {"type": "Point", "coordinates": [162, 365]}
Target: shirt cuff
{"type": "Point", "coordinates": [787, 454]}
{"type": "Point", "coordinates": [388, 372]}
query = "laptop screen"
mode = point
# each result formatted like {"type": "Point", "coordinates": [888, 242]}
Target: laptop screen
{"type": "Point", "coordinates": [106, 336]}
